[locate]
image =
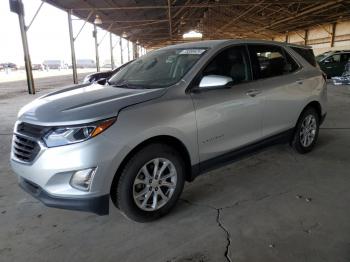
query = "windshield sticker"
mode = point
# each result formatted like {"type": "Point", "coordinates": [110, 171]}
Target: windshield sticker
{"type": "Point", "coordinates": [192, 51]}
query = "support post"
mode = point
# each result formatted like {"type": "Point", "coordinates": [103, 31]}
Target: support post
{"type": "Point", "coordinates": [111, 47]}
{"type": "Point", "coordinates": [287, 36]}
{"type": "Point", "coordinates": [128, 42]}
{"type": "Point", "coordinates": [334, 26]}
{"type": "Point", "coordinates": [135, 51]}
{"type": "Point", "coordinates": [306, 36]}
{"type": "Point", "coordinates": [96, 49]}
{"type": "Point", "coordinates": [121, 50]}
{"type": "Point", "coordinates": [72, 49]}
{"type": "Point", "coordinates": [27, 62]}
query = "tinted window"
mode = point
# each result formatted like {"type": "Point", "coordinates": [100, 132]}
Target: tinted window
{"type": "Point", "coordinates": [270, 61]}
{"type": "Point", "coordinates": [334, 58]}
{"type": "Point", "coordinates": [307, 54]}
{"type": "Point", "coordinates": [232, 62]}
{"type": "Point", "coordinates": [345, 57]}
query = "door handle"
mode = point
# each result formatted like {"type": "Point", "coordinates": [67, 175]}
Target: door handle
{"type": "Point", "coordinates": [253, 92]}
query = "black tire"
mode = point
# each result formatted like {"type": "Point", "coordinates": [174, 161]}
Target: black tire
{"type": "Point", "coordinates": [124, 189]}
{"type": "Point", "coordinates": [296, 141]}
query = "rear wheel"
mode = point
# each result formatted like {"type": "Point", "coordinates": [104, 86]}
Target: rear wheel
{"type": "Point", "coordinates": [151, 183]}
{"type": "Point", "coordinates": [306, 131]}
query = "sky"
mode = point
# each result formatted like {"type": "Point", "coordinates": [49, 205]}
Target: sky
{"type": "Point", "coordinates": [48, 36]}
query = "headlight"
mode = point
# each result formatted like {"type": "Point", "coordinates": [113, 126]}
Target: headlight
{"type": "Point", "coordinates": [60, 136]}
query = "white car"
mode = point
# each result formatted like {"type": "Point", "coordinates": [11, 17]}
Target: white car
{"type": "Point", "coordinates": [164, 119]}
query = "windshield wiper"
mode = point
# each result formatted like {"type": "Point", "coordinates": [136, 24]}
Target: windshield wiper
{"type": "Point", "coordinates": [126, 85]}
{"type": "Point", "coordinates": [123, 84]}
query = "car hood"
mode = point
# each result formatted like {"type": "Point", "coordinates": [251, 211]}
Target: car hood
{"type": "Point", "coordinates": [83, 104]}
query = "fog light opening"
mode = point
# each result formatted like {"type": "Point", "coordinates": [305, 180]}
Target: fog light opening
{"type": "Point", "coordinates": [82, 179]}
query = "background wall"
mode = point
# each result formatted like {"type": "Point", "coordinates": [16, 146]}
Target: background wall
{"type": "Point", "coordinates": [320, 37]}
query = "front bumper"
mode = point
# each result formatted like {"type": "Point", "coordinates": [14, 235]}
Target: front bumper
{"type": "Point", "coordinates": [98, 205]}
{"type": "Point", "coordinates": [48, 176]}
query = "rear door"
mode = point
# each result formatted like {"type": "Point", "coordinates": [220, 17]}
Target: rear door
{"type": "Point", "coordinates": [344, 59]}
{"type": "Point", "coordinates": [278, 76]}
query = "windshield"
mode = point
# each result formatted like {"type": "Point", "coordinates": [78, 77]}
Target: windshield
{"type": "Point", "coordinates": [157, 69]}
{"type": "Point", "coordinates": [320, 57]}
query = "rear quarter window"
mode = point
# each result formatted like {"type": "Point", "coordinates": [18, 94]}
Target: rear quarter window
{"type": "Point", "coordinates": [307, 54]}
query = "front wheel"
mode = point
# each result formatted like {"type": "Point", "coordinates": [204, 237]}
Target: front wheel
{"type": "Point", "coordinates": [150, 183]}
{"type": "Point", "coordinates": [306, 131]}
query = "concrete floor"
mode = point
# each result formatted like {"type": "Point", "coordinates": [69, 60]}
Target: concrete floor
{"type": "Point", "coordinates": [274, 206]}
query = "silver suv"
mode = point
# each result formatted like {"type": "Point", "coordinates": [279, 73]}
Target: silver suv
{"type": "Point", "coordinates": [164, 119]}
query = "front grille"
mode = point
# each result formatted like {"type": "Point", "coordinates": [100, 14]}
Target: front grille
{"type": "Point", "coordinates": [25, 149]}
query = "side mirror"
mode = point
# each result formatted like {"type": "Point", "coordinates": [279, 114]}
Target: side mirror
{"type": "Point", "coordinates": [102, 81]}
{"type": "Point", "coordinates": [215, 81]}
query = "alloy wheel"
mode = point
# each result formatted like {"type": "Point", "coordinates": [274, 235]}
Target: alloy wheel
{"type": "Point", "coordinates": [154, 184]}
{"type": "Point", "coordinates": [308, 130]}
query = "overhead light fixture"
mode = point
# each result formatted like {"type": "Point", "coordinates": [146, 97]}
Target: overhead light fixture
{"type": "Point", "coordinates": [192, 35]}
{"type": "Point", "coordinates": [97, 20]}
{"type": "Point", "coordinates": [124, 35]}
{"type": "Point", "coordinates": [137, 42]}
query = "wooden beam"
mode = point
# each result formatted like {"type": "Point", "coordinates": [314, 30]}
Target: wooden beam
{"type": "Point", "coordinates": [141, 25]}
{"type": "Point", "coordinates": [334, 26]}
{"type": "Point", "coordinates": [241, 15]}
{"type": "Point", "coordinates": [206, 5]}
{"type": "Point", "coordinates": [306, 36]}
{"type": "Point", "coordinates": [316, 7]}
{"type": "Point", "coordinates": [169, 18]}
{"type": "Point", "coordinates": [135, 21]}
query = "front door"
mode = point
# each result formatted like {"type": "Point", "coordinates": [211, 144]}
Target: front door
{"type": "Point", "coordinates": [227, 118]}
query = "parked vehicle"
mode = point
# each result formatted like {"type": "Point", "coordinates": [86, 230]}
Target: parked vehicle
{"type": "Point", "coordinates": [103, 75]}
{"type": "Point", "coordinates": [55, 64]}
{"type": "Point", "coordinates": [169, 116]}
{"type": "Point", "coordinates": [11, 66]}
{"type": "Point", "coordinates": [86, 63]}
{"type": "Point", "coordinates": [344, 79]}
{"type": "Point", "coordinates": [40, 67]}
{"type": "Point", "coordinates": [333, 63]}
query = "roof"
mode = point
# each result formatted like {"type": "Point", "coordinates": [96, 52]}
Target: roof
{"type": "Point", "coordinates": [215, 43]}
{"type": "Point", "coordinates": [155, 23]}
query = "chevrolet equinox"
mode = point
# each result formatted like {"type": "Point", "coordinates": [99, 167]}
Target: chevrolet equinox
{"type": "Point", "coordinates": [165, 118]}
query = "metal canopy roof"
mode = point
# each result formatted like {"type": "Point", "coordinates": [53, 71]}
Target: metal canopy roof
{"type": "Point", "coordinates": [155, 23]}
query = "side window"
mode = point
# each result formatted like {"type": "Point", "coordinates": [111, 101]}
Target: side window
{"type": "Point", "coordinates": [345, 57]}
{"type": "Point", "coordinates": [334, 58]}
{"type": "Point", "coordinates": [232, 62]}
{"type": "Point", "coordinates": [270, 61]}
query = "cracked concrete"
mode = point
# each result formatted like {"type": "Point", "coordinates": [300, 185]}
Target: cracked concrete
{"type": "Point", "coordinates": [218, 217]}
{"type": "Point", "coordinates": [253, 210]}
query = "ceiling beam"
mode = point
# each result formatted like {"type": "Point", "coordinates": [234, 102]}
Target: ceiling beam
{"type": "Point", "coordinates": [208, 5]}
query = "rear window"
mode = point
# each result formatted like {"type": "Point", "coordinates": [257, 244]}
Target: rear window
{"type": "Point", "coordinates": [307, 54]}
